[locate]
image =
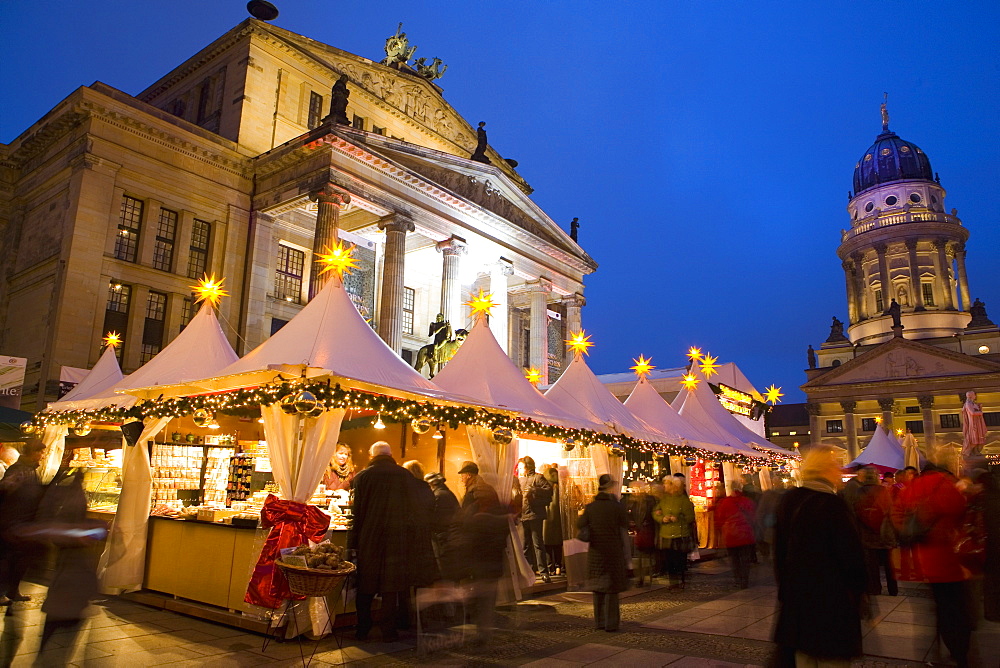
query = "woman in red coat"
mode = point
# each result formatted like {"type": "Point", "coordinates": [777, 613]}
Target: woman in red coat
{"type": "Point", "coordinates": [938, 504]}
{"type": "Point", "coordinates": [734, 519]}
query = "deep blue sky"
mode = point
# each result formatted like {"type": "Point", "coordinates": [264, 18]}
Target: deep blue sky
{"type": "Point", "coordinates": [707, 147]}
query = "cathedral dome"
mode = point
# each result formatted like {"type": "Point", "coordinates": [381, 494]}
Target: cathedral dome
{"type": "Point", "coordinates": [890, 159]}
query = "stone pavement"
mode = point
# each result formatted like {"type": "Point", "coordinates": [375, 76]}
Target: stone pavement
{"type": "Point", "coordinates": [708, 625]}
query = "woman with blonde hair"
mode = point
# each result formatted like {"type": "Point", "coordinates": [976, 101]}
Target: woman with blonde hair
{"type": "Point", "coordinates": [340, 472]}
{"type": "Point", "coordinates": [674, 513]}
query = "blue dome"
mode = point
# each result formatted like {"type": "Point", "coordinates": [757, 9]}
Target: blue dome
{"type": "Point", "coordinates": [890, 159]}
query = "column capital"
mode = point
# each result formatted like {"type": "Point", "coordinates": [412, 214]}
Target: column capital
{"type": "Point", "coordinates": [505, 266]}
{"type": "Point", "coordinates": [576, 299]}
{"type": "Point", "coordinates": [848, 266]}
{"type": "Point", "coordinates": [452, 246]}
{"type": "Point", "coordinates": [812, 409]}
{"type": "Point", "coordinates": [911, 244]}
{"type": "Point", "coordinates": [330, 194]}
{"type": "Point", "coordinates": [858, 257]}
{"type": "Point", "coordinates": [926, 400]}
{"type": "Point", "coordinates": [886, 403]}
{"type": "Point", "coordinates": [959, 247]}
{"type": "Point", "coordinates": [396, 222]}
{"type": "Point", "coordinates": [881, 249]}
{"type": "Point", "coordinates": [849, 406]}
{"type": "Point", "coordinates": [540, 284]}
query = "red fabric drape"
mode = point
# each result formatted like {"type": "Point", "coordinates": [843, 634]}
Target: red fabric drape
{"type": "Point", "coordinates": [291, 523]}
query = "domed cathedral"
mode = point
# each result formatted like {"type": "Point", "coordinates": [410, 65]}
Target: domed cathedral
{"type": "Point", "coordinates": [915, 341]}
{"type": "Point", "coordinates": [247, 160]}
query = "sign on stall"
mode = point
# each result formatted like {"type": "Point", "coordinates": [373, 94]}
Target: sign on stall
{"type": "Point", "coordinates": [11, 381]}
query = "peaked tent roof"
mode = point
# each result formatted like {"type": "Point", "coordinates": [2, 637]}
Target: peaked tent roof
{"type": "Point", "coordinates": [482, 370]}
{"type": "Point", "coordinates": [646, 403]}
{"type": "Point", "coordinates": [883, 451]}
{"type": "Point", "coordinates": [326, 338]}
{"type": "Point", "coordinates": [98, 381]}
{"type": "Point", "coordinates": [578, 391]}
{"type": "Point", "coordinates": [701, 407]}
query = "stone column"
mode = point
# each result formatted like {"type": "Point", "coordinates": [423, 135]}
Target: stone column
{"type": "Point", "coordinates": [860, 286]}
{"type": "Point", "coordinates": [500, 320]}
{"type": "Point", "coordinates": [927, 413]}
{"type": "Point", "coordinates": [814, 433]}
{"type": "Point", "coordinates": [852, 299]}
{"type": "Point", "coordinates": [452, 251]}
{"type": "Point", "coordinates": [574, 304]}
{"type": "Point", "coordinates": [390, 314]}
{"type": "Point", "coordinates": [915, 288]}
{"type": "Point", "coordinates": [942, 267]}
{"type": "Point", "coordinates": [328, 201]}
{"type": "Point", "coordinates": [883, 276]}
{"type": "Point", "coordinates": [851, 427]}
{"type": "Point", "coordinates": [539, 327]}
{"type": "Point", "coordinates": [886, 405]}
{"type": "Point", "coordinates": [963, 278]}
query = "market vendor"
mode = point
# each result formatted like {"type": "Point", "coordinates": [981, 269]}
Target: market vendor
{"type": "Point", "coordinates": [340, 473]}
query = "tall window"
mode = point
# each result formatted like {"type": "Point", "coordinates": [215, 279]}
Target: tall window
{"type": "Point", "coordinates": [915, 426]}
{"type": "Point", "coordinates": [879, 302]}
{"type": "Point", "coordinates": [166, 233]}
{"type": "Point", "coordinates": [187, 311]}
{"type": "Point", "coordinates": [928, 291]}
{"type": "Point", "coordinates": [358, 122]}
{"type": "Point", "coordinates": [991, 419]}
{"type": "Point", "coordinates": [116, 311]}
{"type": "Point", "coordinates": [951, 421]}
{"type": "Point", "coordinates": [409, 297]}
{"type": "Point", "coordinates": [201, 236]}
{"type": "Point", "coordinates": [288, 275]}
{"type": "Point", "coordinates": [377, 130]}
{"type": "Point", "coordinates": [834, 426]}
{"type": "Point", "coordinates": [868, 424]}
{"type": "Point", "coordinates": [129, 223]}
{"type": "Point", "coordinates": [315, 109]}
{"type": "Point", "coordinates": [152, 331]}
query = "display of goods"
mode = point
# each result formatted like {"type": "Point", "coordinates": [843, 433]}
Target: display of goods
{"type": "Point", "coordinates": [323, 556]}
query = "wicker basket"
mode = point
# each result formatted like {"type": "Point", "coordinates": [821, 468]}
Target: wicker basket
{"type": "Point", "coordinates": [314, 581]}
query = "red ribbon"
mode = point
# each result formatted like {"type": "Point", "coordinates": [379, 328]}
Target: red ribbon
{"type": "Point", "coordinates": [291, 524]}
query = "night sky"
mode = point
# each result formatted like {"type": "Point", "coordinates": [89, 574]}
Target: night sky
{"type": "Point", "coordinates": [707, 147]}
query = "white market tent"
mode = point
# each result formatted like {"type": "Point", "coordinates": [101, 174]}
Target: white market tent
{"type": "Point", "coordinates": [883, 451]}
{"type": "Point", "coordinates": [647, 404]}
{"type": "Point", "coordinates": [701, 407]}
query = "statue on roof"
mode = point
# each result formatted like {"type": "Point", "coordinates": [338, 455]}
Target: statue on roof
{"type": "Point", "coordinates": [338, 102]}
{"type": "Point", "coordinates": [979, 317]}
{"type": "Point", "coordinates": [479, 155]}
{"type": "Point", "coordinates": [430, 72]}
{"type": "Point", "coordinates": [836, 331]}
{"type": "Point", "coordinates": [885, 111]}
{"type": "Point", "coordinates": [574, 229]}
{"type": "Point", "coordinates": [811, 357]}
{"type": "Point", "coordinates": [397, 49]}
{"type": "Point", "coordinates": [894, 311]}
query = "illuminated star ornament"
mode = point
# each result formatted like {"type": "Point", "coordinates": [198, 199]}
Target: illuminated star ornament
{"type": "Point", "coordinates": [689, 381]}
{"type": "Point", "coordinates": [642, 366]}
{"type": "Point", "coordinates": [899, 432]}
{"type": "Point", "coordinates": [533, 375]}
{"type": "Point", "coordinates": [579, 342]}
{"type": "Point", "coordinates": [773, 394]}
{"type": "Point", "coordinates": [709, 365]}
{"type": "Point", "coordinates": [694, 353]}
{"type": "Point", "coordinates": [481, 303]}
{"type": "Point", "coordinates": [339, 260]}
{"type": "Point", "coordinates": [113, 339]}
{"type": "Point", "coordinates": [209, 289]}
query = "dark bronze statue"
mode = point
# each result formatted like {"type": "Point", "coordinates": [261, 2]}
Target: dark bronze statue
{"type": "Point", "coordinates": [479, 155]}
{"type": "Point", "coordinates": [836, 331]}
{"type": "Point", "coordinates": [574, 229]}
{"type": "Point", "coordinates": [979, 317]}
{"type": "Point", "coordinates": [894, 311]}
{"type": "Point", "coordinates": [338, 102]}
{"type": "Point", "coordinates": [811, 355]}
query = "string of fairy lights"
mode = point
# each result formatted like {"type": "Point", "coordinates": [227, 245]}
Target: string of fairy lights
{"type": "Point", "coordinates": [309, 398]}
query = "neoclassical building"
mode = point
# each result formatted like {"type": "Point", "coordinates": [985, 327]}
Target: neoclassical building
{"type": "Point", "coordinates": [234, 163]}
{"type": "Point", "coordinates": [916, 340]}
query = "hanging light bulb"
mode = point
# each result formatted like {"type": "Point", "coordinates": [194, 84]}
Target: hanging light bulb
{"type": "Point", "coordinates": [214, 425]}
{"type": "Point", "coordinates": [378, 422]}
{"type": "Point", "coordinates": [437, 434]}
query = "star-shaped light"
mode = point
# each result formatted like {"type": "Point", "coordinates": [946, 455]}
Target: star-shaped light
{"type": "Point", "coordinates": [899, 432]}
{"type": "Point", "coordinates": [481, 303]}
{"type": "Point", "coordinates": [878, 420]}
{"type": "Point", "coordinates": [642, 366]}
{"type": "Point", "coordinates": [773, 394]}
{"type": "Point", "coordinates": [533, 375]}
{"type": "Point", "coordinates": [340, 260]}
{"type": "Point", "coordinates": [113, 339]}
{"type": "Point", "coordinates": [690, 381]}
{"type": "Point", "coordinates": [694, 353]}
{"type": "Point", "coordinates": [579, 342]}
{"type": "Point", "coordinates": [209, 289]}
{"type": "Point", "coordinates": [709, 365]}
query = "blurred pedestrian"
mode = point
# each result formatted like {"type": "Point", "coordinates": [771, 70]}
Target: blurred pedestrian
{"type": "Point", "coordinates": [8, 456]}
{"type": "Point", "coordinates": [605, 520]}
{"type": "Point", "coordinates": [674, 514]}
{"type": "Point", "coordinates": [872, 510]}
{"type": "Point", "coordinates": [766, 513]}
{"type": "Point", "coordinates": [552, 531]}
{"type": "Point", "coordinates": [443, 518]}
{"type": "Point", "coordinates": [991, 525]}
{"type": "Point", "coordinates": [20, 492]}
{"type": "Point", "coordinates": [641, 523]}
{"type": "Point", "coordinates": [383, 513]}
{"type": "Point", "coordinates": [734, 514]}
{"type": "Point", "coordinates": [423, 565]}
{"type": "Point", "coordinates": [536, 494]}
{"type": "Point", "coordinates": [819, 567]}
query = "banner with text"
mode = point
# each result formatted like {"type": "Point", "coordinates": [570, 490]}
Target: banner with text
{"type": "Point", "coordinates": [11, 381]}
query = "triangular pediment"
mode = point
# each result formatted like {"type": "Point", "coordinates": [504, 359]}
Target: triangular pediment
{"type": "Point", "coordinates": [903, 360]}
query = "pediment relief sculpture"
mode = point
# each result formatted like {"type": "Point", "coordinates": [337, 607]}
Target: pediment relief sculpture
{"type": "Point", "coordinates": [903, 364]}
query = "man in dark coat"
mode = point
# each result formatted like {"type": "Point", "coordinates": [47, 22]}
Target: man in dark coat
{"type": "Point", "coordinates": [606, 520]}
{"type": "Point", "coordinates": [442, 520]}
{"type": "Point", "coordinates": [383, 510]}
{"type": "Point", "coordinates": [537, 493]}
{"type": "Point", "coordinates": [819, 566]}
{"type": "Point", "coordinates": [20, 492]}
{"type": "Point", "coordinates": [871, 510]}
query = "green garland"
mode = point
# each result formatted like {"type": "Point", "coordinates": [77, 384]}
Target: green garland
{"type": "Point", "coordinates": [247, 403]}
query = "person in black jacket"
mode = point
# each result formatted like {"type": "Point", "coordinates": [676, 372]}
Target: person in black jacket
{"type": "Point", "coordinates": [442, 520]}
{"type": "Point", "coordinates": [536, 492]}
{"type": "Point", "coordinates": [606, 521]}
{"type": "Point", "coordinates": [819, 565]}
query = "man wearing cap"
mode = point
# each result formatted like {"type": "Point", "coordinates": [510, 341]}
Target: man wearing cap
{"type": "Point", "coordinates": [383, 506]}
{"type": "Point", "coordinates": [442, 518]}
{"type": "Point", "coordinates": [537, 492]}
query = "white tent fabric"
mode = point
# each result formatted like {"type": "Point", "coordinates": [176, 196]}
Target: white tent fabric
{"type": "Point", "coordinates": [483, 371]}
{"type": "Point", "coordinates": [646, 403]}
{"type": "Point", "coordinates": [579, 392]}
{"type": "Point", "coordinates": [54, 439]}
{"type": "Point", "coordinates": [911, 452]}
{"type": "Point", "coordinates": [701, 407]}
{"type": "Point", "coordinates": [882, 450]}
{"type": "Point", "coordinates": [299, 463]}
